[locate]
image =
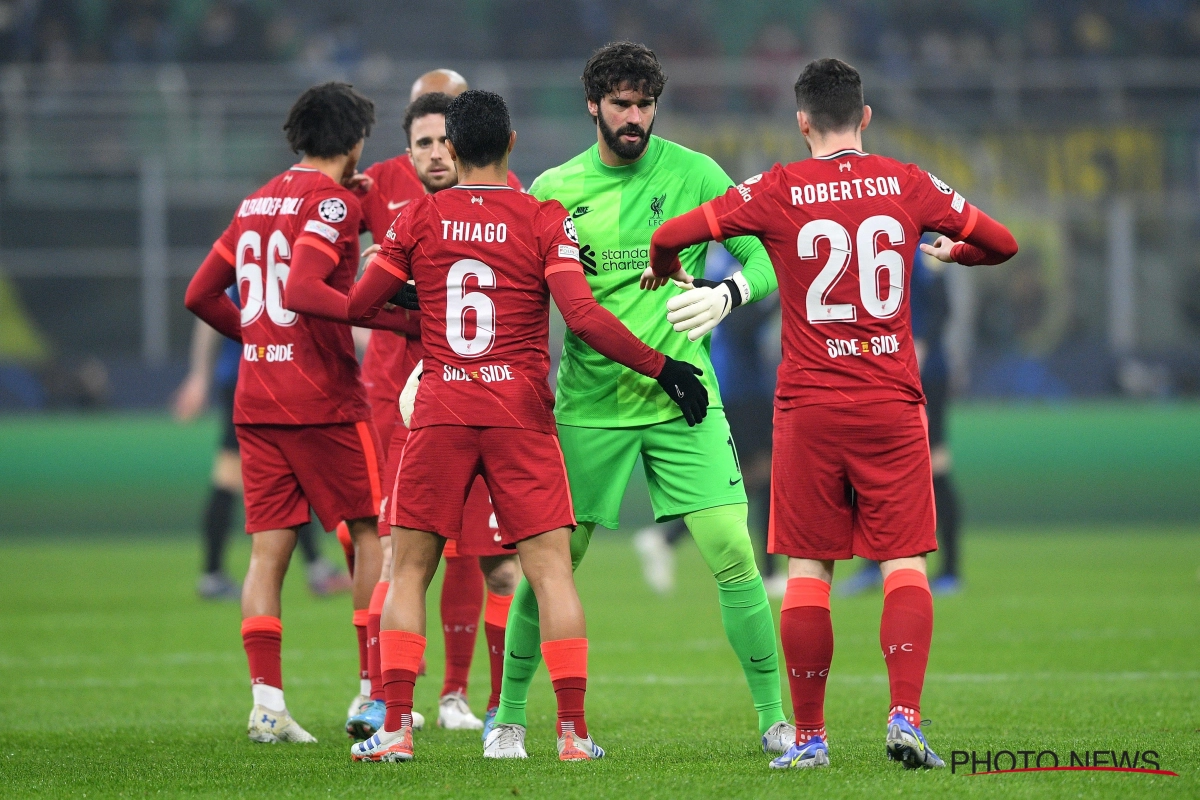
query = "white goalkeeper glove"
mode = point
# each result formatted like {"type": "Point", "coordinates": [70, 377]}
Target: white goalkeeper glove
{"type": "Point", "coordinates": [408, 395]}
{"type": "Point", "coordinates": [699, 310]}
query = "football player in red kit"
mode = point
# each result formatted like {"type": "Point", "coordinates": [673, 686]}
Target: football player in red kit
{"type": "Point", "coordinates": [301, 414]}
{"type": "Point", "coordinates": [851, 468]}
{"type": "Point", "coordinates": [486, 260]}
{"type": "Point", "coordinates": [390, 358]}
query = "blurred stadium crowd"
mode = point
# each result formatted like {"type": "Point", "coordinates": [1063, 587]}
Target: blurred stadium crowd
{"type": "Point", "coordinates": [893, 34]}
{"type": "Point", "coordinates": [130, 129]}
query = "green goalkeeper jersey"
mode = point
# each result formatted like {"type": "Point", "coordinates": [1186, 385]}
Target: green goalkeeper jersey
{"type": "Point", "coordinates": [615, 211]}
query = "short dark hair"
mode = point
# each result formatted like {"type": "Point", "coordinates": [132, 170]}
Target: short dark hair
{"type": "Point", "coordinates": [423, 106]}
{"type": "Point", "coordinates": [478, 125]}
{"type": "Point", "coordinates": [329, 120]}
{"type": "Point", "coordinates": [620, 64]}
{"type": "Point", "coordinates": [830, 92]}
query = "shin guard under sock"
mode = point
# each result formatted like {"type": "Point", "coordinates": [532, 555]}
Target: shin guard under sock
{"type": "Point", "coordinates": [522, 645]}
{"type": "Point", "coordinates": [400, 655]}
{"type": "Point", "coordinates": [566, 661]}
{"type": "Point", "coordinates": [462, 602]}
{"type": "Point", "coordinates": [364, 669]}
{"type": "Point", "coordinates": [263, 637]}
{"type": "Point", "coordinates": [807, 633]}
{"type": "Point", "coordinates": [495, 620]}
{"type": "Point", "coordinates": [374, 611]}
{"type": "Point", "coordinates": [905, 633]}
{"type": "Point", "coordinates": [750, 628]}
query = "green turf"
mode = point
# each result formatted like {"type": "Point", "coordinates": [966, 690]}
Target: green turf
{"type": "Point", "coordinates": [115, 680]}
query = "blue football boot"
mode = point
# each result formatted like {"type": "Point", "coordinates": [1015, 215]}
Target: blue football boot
{"type": "Point", "coordinates": [906, 744]}
{"type": "Point", "coordinates": [813, 753]}
{"type": "Point", "coordinates": [489, 721]}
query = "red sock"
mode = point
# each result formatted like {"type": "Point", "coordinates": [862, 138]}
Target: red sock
{"type": "Point", "coordinates": [374, 671]}
{"type": "Point", "coordinates": [462, 601]}
{"type": "Point", "coordinates": [566, 660]}
{"type": "Point", "coordinates": [360, 628]}
{"type": "Point", "coordinates": [343, 537]}
{"type": "Point", "coordinates": [905, 631]}
{"type": "Point", "coordinates": [400, 653]}
{"type": "Point", "coordinates": [262, 637]}
{"type": "Point", "coordinates": [495, 620]}
{"type": "Point", "coordinates": [807, 635]}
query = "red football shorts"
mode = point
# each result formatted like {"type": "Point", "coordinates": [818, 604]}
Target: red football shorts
{"type": "Point", "coordinates": [821, 452]}
{"type": "Point", "coordinates": [385, 413]}
{"type": "Point", "coordinates": [288, 471]}
{"type": "Point", "coordinates": [524, 471]}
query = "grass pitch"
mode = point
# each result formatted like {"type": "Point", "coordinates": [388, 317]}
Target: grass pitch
{"type": "Point", "coordinates": [116, 681]}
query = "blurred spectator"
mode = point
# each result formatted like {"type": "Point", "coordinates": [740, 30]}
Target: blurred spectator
{"type": "Point", "coordinates": [231, 31]}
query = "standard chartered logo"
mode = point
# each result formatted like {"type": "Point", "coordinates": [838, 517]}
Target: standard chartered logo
{"type": "Point", "coordinates": [619, 260]}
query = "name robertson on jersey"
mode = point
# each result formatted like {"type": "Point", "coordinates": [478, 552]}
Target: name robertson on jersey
{"type": "Point", "coordinates": [456, 231]}
{"type": "Point", "coordinates": [836, 191]}
{"type": "Point", "coordinates": [270, 206]}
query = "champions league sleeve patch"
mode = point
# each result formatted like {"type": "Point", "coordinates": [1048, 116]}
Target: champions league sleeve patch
{"type": "Point", "coordinates": [940, 184]}
{"type": "Point", "coordinates": [569, 229]}
{"type": "Point", "coordinates": [332, 209]}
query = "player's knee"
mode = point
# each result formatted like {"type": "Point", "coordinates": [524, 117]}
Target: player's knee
{"type": "Point", "coordinates": [739, 567]}
{"type": "Point", "coordinates": [500, 573]}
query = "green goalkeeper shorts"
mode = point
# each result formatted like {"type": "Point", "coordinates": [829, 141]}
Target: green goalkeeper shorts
{"type": "Point", "coordinates": [687, 469]}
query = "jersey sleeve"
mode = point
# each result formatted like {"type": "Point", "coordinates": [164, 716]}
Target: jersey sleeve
{"type": "Point", "coordinates": [395, 253]}
{"type": "Point", "coordinates": [373, 206]}
{"type": "Point", "coordinates": [748, 250]}
{"type": "Point", "coordinates": [745, 209]}
{"type": "Point", "coordinates": [557, 239]}
{"type": "Point", "coordinates": [330, 223]}
{"type": "Point", "coordinates": [938, 207]}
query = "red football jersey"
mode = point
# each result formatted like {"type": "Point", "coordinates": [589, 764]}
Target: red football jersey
{"type": "Point", "coordinates": [390, 357]}
{"type": "Point", "coordinates": [480, 256]}
{"type": "Point", "coordinates": [295, 370]}
{"type": "Point", "coordinates": [841, 231]}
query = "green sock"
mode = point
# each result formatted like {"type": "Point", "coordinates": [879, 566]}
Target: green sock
{"type": "Point", "coordinates": [522, 654]}
{"type": "Point", "coordinates": [724, 542]}
{"type": "Point", "coordinates": [523, 639]}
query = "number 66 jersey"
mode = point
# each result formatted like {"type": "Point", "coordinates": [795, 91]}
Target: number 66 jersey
{"type": "Point", "coordinates": [841, 231]}
{"type": "Point", "coordinates": [296, 369]}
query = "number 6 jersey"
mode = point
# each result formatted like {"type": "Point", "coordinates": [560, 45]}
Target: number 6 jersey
{"type": "Point", "coordinates": [841, 231]}
{"type": "Point", "coordinates": [480, 256]}
{"type": "Point", "coordinates": [296, 369]}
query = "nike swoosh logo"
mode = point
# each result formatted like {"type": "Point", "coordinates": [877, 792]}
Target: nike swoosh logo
{"type": "Point", "coordinates": [395, 206]}
{"type": "Point", "coordinates": [754, 660]}
{"type": "Point", "coordinates": [732, 482]}
{"type": "Point", "coordinates": [514, 655]}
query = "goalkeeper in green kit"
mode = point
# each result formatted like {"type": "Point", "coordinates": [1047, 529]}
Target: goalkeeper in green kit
{"type": "Point", "coordinates": [618, 192]}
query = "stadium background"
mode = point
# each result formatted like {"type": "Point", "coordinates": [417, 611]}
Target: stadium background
{"type": "Point", "coordinates": [129, 130]}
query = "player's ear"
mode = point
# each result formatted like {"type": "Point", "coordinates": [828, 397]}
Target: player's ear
{"type": "Point", "coordinates": [802, 121]}
{"type": "Point", "coordinates": [593, 109]}
{"type": "Point", "coordinates": [866, 120]}
{"type": "Point", "coordinates": [512, 140]}
{"type": "Point", "coordinates": [450, 150]}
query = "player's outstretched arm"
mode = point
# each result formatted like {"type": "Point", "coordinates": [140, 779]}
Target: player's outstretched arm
{"type": "Point", "coordinates": [986, 242]}
{"type": "Point", "coordinates": [605, 334]}
{"type": "Point", "coordinates": [206, 296]}
{"type": "Point", "coordinates": [308, 293]}
{"type": "Point", "coordinates": [370, 298]}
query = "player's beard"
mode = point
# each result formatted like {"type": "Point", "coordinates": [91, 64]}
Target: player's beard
{"type": "Point", "coordinates": [445, 182]}
{"type": "Point", "coordinates": [623, 149]}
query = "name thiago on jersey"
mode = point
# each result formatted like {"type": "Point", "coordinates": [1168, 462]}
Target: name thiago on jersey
{"type": "Point", "coordinates": [456, 231]}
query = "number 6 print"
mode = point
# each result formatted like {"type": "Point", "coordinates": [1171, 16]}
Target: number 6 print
{"type": "Point", "coordinates": [870, 263]}
{"type": "Point", "coordinates": [262, 294]}
{"type": "Point", "coordinates": [459, 300]}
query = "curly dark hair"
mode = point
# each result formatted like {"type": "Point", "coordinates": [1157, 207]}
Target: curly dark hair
{"type": "Point", "coordinates": [329, 120]}
{"type": "Point", "coordinates": [423, 106]}
{"type": "Point", "coordinates": [830, 92]}
{"type": "Point", "coordinates": [618, 64]}
{"type": "Point", "coordinates": [478, 125]}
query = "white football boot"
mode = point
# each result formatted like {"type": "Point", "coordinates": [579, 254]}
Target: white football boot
{"type": "Point", "coordinates": [571, 747]}
{"type": "Point", "coordinates": [385, 746]}
{"type": "Point", "coordinates": [779, 738]}
{"type": "Point", "coordinates": [272, 727]}
{"type": "Point", "coordinates": [455, 715]}
{"type": "Point", "coordinates": [505, 741]}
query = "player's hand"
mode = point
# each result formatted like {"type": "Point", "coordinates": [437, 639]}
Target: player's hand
{"type": "Point", "coordinates": [408, 396]}
{"type": "Point", "coordinates": [679, 380]}
{"type": "Point", "coordinates": [940, 249]}
{"type": "Point", "coordinates": [701, 308]}
{"type": "Point", "coordinates": [191, 397]}
{"type": "Point", "coordinates": [360, 183]}
{"type": "Point", "coordinates": [407, 297]}
{"type": "Point", "coordinates": [370, 251]}
{"type": "Point", "coordinates": [652, 282]}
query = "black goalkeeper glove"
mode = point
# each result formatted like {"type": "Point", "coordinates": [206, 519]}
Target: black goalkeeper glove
{"type": "Point", "coordinates": [406, 297]}
{"type": "Point", "coordinates": [679, 380]}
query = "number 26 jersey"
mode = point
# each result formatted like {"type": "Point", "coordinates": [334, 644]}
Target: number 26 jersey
{"type": "Point", "coordinates": [480, 256]}
{"type": "Point", "coordinates": [841, 231]}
